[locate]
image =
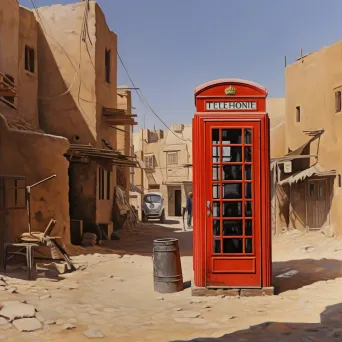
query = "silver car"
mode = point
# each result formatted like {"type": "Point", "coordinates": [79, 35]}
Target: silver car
{"type": "Point", "coordinates": [153, 207]}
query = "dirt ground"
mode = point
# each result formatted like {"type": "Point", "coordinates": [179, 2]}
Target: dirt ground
{"type": "Point", "coordinates": [111, 298]}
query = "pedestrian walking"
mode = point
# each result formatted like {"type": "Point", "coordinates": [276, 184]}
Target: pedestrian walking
{"type": "Point", "coordinates": [189, 210]}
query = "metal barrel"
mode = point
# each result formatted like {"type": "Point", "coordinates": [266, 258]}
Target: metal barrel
{"type": "Point", "coordinates": [167, 267]}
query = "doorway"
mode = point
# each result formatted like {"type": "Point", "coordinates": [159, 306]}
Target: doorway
{"type": "Point", "coordinates": [317, 204]}
{"type": "Point", "coordinates": [178, 202]}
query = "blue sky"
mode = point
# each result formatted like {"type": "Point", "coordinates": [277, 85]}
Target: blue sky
{"type": "Point", "coordinates": [170, 47]}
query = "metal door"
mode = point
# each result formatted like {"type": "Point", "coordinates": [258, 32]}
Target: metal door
{"type": "Point", "coordinates": [233, 204]}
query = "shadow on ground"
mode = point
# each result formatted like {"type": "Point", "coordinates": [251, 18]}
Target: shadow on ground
{"type": "Point", "coordinates": [139, 240]}
{"type": "Point", "coordinates": [294, 274]}
{"type": "Point", "coordinates": [328, 330]}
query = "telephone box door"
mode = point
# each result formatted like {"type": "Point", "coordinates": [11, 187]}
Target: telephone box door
{"type": "Point", "coordinates": [233, 204]}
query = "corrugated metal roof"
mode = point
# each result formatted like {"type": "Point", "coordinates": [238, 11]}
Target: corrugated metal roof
{"type": "Point", "coordinates": [315, 170]}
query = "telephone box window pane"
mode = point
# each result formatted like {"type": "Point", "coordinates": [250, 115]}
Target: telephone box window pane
{"type": "Point", "coordinates": [320, 191]}
{"type": "Point", "coordinates": [248, 209]}
{"type": "Point", "coordinates": [231, 136]}
{"type": "Point", "coordinates": [216, 227]}
{"type": "Point", "coordinates": [216, 154]}
{"type": "Point", "coordinates": [216, 136]}
{"type": "Point", "coordinates": [231, 246]}
{"type": "Point", "coordinates": [248, 190]}
{"type": "Point", "coordinates": [216, 209]}
{"type": "Point", "coordinates": [231, 228]}
{"type": "Point", "coordinates": [232, 209]}
{"type": "Point", "coordinates": [231, 154]}
{"type": "Point", "coordinates": [232, 172]}
{"type": "Point", "coordinates": [248, 136]}
{"type": "Point", "coordinates": [216, 172]}
{"type": "Point", "coordinates": [248, 172]}
{"type": "Point", "coordinates": [217, 246]}
{"type": "Point", "coordinates": [216, 191]}
{"type": "Point", "coordinates": [232, 191]}
{"type": "Point", "coordinates": [249, 245]}
{"type": "Point", "coordinates": [249, 227]}
{"type": "Point", "coordinates": [248, 154]}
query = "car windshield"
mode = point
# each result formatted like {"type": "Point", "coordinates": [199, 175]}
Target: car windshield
{"type": "Point", "coordinates": [152, 199]}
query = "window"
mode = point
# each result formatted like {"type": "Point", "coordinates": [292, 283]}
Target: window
{"type": "Point", "coordinates": [29, 59]}
{"type": "Point", "coordinates": [15, 193]}
{"type": "Point", "coordinates": [154, 187]}
{"type": "Point", "coordinates": [107, 65]}
{"type": "Point", "coordinates": [339, 181]}
{"type": "Point", "coordinates": [172, 158]}
{"type": "Point", "coordinates": [149, 162]}
{"type": "Point", "coordinates": [297, 114]}
{"type": "Point", "coordinates": [9, 100]}
{"type": "Point", "coordinates": [104, 181]}
{"type": "Point", "coordinates": [312, 189]}
{"type": "Point", "coordinates": [338, 101]}
{"type": "Point", "coordinates": [320, 191]}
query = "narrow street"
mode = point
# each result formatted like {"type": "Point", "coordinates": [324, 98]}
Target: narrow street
{"type": "Point", "coordinates": [111, 296]}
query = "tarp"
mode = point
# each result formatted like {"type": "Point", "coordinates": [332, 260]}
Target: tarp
{"type": "Point", "coordinates": [315, 170]}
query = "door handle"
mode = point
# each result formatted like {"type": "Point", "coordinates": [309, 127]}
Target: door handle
{"type": "Point", "coordinates": [209, 212]}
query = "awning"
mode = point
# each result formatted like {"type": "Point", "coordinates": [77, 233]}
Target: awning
{"type": "Point", "coordinates": [315, 170]}
{"type": "Point", "coordinates": [105, 155]}
{"type": "Point", "coordinates": [134, 188]}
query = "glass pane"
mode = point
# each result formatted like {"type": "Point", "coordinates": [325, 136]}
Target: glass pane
{"type": "Point", "coordinates": [249, 246]}
{"type": "Point", "coordinates": [231, 136]}
{"type": "Point", "coordinates": [216, 191]}
{"type": "Point", "coordinates": [232, 172]}
{"type": "Point", "coordinates": [216, 154]}
{"type": "Point", "coordinates": [232, 209]}
{"type": "Point", "coordinates": [216, 227]}
{"type": "Point", "coordinates": [248, 172]}
{"type": "Point", "coordinates": [232, 227]}
{"type": "Point", "coordinates": [217, 246]}
{"type": "Point", "coordinates": [216, 136]}
{"type": "Point", "coordinates": [216, 172]}
{"type": "Point", "coordinates": [232, 245]}
{"type": "Point", "coordinates": [231, 154]}
{"type": "Point", "coordinates": [248, 209]}
{"type": "Point", "coordinates": [230, 191]}
{"type": "Point", "coordinates": [248, 154]}
{"type": "Point", "coordinates": [248, 227]}
{"type": "Point", "coordinates": [248, 190]}
{"type": "Point", "coordinates": [216, 209]}
{"type": "Point", "coordinates": [248, 136]}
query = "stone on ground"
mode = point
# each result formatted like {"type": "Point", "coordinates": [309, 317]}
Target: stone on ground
{"type": "Point", "coordinates": [27, 324]}
{"type": "Point", "coordinates": [20, 310]}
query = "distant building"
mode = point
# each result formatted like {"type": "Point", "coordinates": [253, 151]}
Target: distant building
{"type": "Point", "coordinates": [167, 159]}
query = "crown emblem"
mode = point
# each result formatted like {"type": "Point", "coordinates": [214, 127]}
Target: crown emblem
{"type": "Point", "coordinates": [230, 90]}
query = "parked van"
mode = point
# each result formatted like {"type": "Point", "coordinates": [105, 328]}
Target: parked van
{"type": "Point", "coordinates": [153, 207]}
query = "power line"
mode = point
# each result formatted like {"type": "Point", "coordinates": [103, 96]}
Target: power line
{"type": "Point", "coordinates": [144, 101]}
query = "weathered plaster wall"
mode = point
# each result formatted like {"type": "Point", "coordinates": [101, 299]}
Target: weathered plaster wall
{"type": "Point", "coordinates": [36, 157]}
{"type": "Point", "coordinates": [106, 96]}
{"type": "Point", "coordinates": [311, 84]}
{"type": "Point", "coordinates": [27, 81]}
{"type": "Point", "coordinates": [9, 29]}
{"type": "Point", "coordinates": [124, 101]}
{"type": "Point", "coordinates": [67, 63]}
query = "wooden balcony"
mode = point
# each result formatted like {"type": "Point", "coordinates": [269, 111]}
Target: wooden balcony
{"type": "Point", "coordinates": [7, 87]}
{"type": "Point", "coordinates": [118, 117]}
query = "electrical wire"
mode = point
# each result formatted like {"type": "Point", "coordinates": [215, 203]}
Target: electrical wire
{"type": "Point", "coordinates": [144, 101]}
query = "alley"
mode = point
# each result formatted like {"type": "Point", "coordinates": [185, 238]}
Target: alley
{"type": "Point", "coordinates": [111, 295]}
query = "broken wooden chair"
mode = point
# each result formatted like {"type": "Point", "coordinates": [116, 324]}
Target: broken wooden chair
{"type": "Point", "coordinates": [30, 240]}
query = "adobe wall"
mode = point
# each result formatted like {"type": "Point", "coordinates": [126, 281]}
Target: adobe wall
{"type": "Point", "coordinates": [37, 156]}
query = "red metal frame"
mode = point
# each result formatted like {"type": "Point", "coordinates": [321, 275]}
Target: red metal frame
{"type": "Point", "coordinates": [202, 183]}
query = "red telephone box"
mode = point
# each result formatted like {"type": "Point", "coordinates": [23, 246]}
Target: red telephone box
{"type": "Point", "coordinates": [231, 187]}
